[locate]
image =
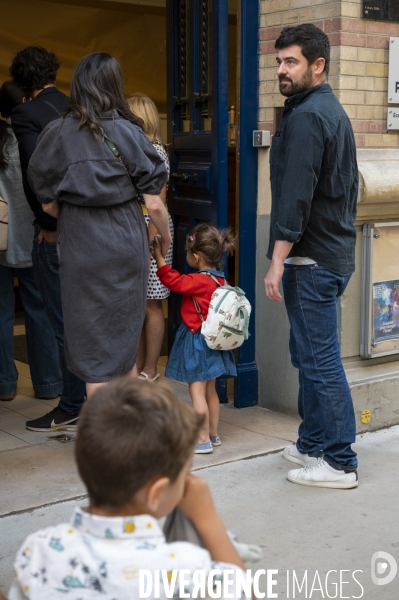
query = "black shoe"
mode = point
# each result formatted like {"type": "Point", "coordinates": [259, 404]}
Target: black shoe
{"type": "Point", "coordinates": [55, 419]}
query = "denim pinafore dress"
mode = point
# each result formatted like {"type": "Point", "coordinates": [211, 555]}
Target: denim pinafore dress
{"type": "Point", "coordinates": [192, 360]}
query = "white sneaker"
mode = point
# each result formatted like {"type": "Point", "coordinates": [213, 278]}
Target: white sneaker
{"type": "Point", "coordinates": [292, 453]}
{"type": "Point", "coordinates": [322, 475]}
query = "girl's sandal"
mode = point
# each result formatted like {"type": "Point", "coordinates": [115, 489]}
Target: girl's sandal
{"type": "Point", "coordinates": [147, 377]}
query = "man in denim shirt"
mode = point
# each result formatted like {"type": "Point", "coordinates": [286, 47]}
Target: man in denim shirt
{"type": "Point", "coordinates": [34, 69]}
{"type": "Point", "coordinates": [314, 181]}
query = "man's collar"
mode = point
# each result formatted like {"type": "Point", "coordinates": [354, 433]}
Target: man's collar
{"type": "Point", "coordinates": [46, 91]}
{"type": "Point", "coordinates": [137, 527]}
{"type": "Point", "coordinates": [298, 98]}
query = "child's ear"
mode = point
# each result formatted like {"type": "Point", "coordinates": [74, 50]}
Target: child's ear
{"type": "Point", "coordinates": [155, 491]}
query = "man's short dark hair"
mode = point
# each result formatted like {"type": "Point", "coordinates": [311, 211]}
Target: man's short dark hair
{"type": "Point", "coordinates": [312, 40]}
{"type": "Point", "coordinates": [34, 67]}
{"type": "Point", "coordinates": [132, 432]}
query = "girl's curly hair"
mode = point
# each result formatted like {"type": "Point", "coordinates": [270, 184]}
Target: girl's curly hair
{"type": "Point", "coordinates": [211, 242]}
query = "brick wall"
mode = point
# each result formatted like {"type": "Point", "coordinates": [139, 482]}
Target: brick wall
{"type": "Point", "coordinates": [359, 62]}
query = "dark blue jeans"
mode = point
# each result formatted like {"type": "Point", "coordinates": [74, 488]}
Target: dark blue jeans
{"type": "Point", "coordinates": [40, 340]}
{"type": "Point", "coordinates": [324, 402]}
{"type": "Point", "coordinates": [45, 266]}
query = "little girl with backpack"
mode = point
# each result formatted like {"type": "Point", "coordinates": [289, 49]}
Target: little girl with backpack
{"type": "Point", "coordinates": [191, 360]}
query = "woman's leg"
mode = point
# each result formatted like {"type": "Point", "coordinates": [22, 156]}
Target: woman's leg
{"type": "Point", "coordinates": [140, 362]}
{"type": "Point", "coordinates": [198, 397]}
{"type": "Point", "coordinates": [92, 387]}
{"type": "Point", "coordinates": [212, 400]}
{"type": "Point", "coordinates": [154, 330]}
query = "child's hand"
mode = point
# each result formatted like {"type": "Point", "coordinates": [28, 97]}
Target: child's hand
{"type": "Point", "coordinates": [157, 251]}
{"type": "Point", "coordinates": [197, 503]}
{"type": "Point", "coordinates": [156, 246]}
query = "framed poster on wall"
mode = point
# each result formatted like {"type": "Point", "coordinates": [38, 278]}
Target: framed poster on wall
{"type": "Point", "coordinates": [380, 290]}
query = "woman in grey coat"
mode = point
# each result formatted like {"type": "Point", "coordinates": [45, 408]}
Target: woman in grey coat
{"type": "Point", "coordinates": [87, 171]}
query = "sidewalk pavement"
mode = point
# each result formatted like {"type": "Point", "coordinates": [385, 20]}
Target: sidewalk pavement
{"type": "Point", "coordinates": [38, 469]}
{"type": "Point", "coordinates": [300, 529]}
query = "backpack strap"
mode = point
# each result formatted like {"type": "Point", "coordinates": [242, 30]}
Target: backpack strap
{"type": "Point", "coordinates": [113, 149]}
{"type": "Point", "coordinates": [198, 309]}
{"type": "Point", "coordinates": [197, 306]}
{"type": "Point", "coordinates": [244, 318]}
{"type": "Point", "coordinates": [51, 105]}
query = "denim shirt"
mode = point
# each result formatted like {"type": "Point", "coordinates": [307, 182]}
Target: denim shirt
{"type": "Point", "coordinates": [314, 180]}
{"type": "Point", "coordinates": [20, 228]}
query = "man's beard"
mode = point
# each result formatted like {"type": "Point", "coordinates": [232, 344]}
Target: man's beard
{"type": "Point", "coordinates": [289, 88]}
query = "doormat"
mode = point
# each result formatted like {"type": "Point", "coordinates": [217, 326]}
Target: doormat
{"type": "Point", "coordinates": [20, 350]}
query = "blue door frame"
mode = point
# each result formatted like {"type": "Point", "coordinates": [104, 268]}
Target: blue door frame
{"type": "Point", "coordinates": [246, 383]}
{"type": "Point", "coordinates": [203, 196]}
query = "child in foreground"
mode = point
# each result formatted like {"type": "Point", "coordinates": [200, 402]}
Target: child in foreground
{"type": "Point", "coordinates": [134, 449]}
{"type": "Point", "coordinates": [190, 359]}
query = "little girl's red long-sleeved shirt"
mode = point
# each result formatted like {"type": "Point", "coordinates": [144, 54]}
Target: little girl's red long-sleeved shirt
{"type": "Point", "coordinates": [197, 285]}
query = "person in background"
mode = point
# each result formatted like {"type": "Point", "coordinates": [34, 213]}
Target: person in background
{"type": "Point", "coordinates": [35, 69]}
{"type": "Point", "coordinates": [134, 450]}
{"type": "Point", "coordinates": [314, 183]}
{"type": "Point", "coordinates": [190, 359]}
{"type": "Point", "coordinates": [17, 260]}
{"type": "Point", "coordinates": [154, 325]}
{"type": "Point", "coordinates": [88, 170]}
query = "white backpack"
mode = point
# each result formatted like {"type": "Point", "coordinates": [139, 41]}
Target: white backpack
{"type": "Point", "coordinates": [226, 326]}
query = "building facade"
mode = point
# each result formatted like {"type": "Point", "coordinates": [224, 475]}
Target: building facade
{"type": "Point", "coordinates": [207, 61]}
{"type": "Point", "coordinates": [359, 77]}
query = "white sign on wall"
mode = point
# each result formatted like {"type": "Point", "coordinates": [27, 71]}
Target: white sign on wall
{"type": "Point", "coordinates": [393, 118]}
{"type": "Point", "coordinates": [393, 84]}
{"type": "Point", "coordinates": [393, 73]}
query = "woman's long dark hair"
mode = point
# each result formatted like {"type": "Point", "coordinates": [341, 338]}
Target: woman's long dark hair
{"type": "Point", "coordinates": [97, 86]}
{"type": "Point", "coordinates": [10, 96]}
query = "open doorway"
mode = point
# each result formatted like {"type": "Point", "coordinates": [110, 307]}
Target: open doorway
{"type": "Point", "coordinates": [135, 32]}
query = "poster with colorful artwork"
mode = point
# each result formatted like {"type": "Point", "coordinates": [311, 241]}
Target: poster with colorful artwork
{"type": "Point", "coordinates": [386, 310]}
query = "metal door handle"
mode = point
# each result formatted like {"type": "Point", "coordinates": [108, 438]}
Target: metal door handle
{"type": "Point", "coordinates": [184, 177]}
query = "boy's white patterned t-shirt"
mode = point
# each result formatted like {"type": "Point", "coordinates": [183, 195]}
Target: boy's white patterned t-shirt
{"type": "Point", "coordinates": [97, 557]}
